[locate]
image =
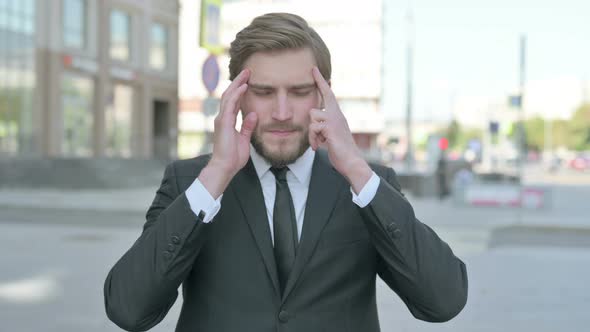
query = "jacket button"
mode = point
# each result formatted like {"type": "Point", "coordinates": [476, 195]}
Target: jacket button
{"type": "Point", "coordinates": [396, 233]}
{"type": "Point", "coordinates": [391, 227]}
{"type": "Point", "coordinates": [175, 239]}
{"type": "Point", "coordinates": [283, 316]}
{"type": "Point", "coordinates": [167, 255]}
{"type": "Point", "coordinates": [170, 247]}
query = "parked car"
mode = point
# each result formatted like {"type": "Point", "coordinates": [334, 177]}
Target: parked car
{"type": "Point", "coordinates": [580, 162]}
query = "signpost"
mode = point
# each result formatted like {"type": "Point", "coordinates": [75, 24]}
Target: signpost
{"type": "Point", "coordinates": [210, 73]}
{"type": "Point", "coordinates": [210, 78]}
{"type": "Point", "coordinates": [210, 21]}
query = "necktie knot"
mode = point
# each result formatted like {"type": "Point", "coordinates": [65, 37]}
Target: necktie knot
{"type": "Point", "coordinates": [280, 173]}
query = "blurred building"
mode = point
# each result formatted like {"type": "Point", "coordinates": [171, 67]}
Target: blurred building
{"type": "Point", "coordinates": [88, 78]}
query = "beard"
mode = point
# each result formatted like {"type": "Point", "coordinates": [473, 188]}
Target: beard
{"type": "Point", "coordinates": [284, 152]}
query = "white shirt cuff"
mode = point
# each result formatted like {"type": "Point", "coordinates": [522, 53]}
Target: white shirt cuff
{"type": "Point", "coordinates": [200, 200]}
{"type": "Point", "coordinates": [368, 192]}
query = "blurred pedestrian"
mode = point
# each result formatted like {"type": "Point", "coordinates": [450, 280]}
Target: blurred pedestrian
{"type": "Point", "coordinates": [441, 176]}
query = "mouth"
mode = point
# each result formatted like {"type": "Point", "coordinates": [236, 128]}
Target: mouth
{"type": "Point", "coordinates": [281, 133]}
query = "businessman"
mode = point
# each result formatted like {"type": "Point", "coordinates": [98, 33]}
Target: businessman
{"type": "Point", "coordinates": [284, 227]}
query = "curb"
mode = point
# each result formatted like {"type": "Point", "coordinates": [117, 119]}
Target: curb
{"type": "Point", "coordinates": [540, 235]}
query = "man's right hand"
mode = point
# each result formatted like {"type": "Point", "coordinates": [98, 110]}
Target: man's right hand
{"type": "Point", "coordinates": [231, 149]}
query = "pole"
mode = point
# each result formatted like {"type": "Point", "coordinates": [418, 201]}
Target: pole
{"type": "Point", "coordinates": [409, 88]}
{"type": "Point", "coordinates": [521, 143]}
{"type": "Point", "coordinates": [521, 136]}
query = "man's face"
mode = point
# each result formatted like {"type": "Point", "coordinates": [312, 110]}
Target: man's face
{"type": "Point", "coordinates": [282, 91]}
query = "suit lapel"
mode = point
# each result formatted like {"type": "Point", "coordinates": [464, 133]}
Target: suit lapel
{"type": "Point", "coordinates": [247, 189]}
{"type": "Point", "coordinates": [324, 188]}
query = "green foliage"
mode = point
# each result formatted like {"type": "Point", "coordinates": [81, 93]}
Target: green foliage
{"type": "Point", "coordinates": [459, 136]}
{"type": "Point", "coordinates": [579, 129]}
{"type": "Point", "coordinates": [453, 132]}
{"type": "Point", "coordinates": [573, 134]}
{"type": "Point", "coordinates": [535, 133]}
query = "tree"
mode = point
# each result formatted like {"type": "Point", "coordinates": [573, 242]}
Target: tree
{"type": "Point", "coordinates": [453, 133]}
{"type": "Point", "coordinates": [579, 128]}
{"type": "Point", "coordinates": [535, 133]}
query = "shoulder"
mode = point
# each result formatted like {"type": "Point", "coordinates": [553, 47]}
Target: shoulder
{"type": "Point", "coordinates": [386, 173]}
{"type": "Point", "coordinates": [188, 167]}
{"type": "Point", "coordinates": [381, 170]}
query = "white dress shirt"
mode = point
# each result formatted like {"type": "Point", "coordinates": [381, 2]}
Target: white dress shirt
{"type": "Point", "coordinates": [298, 178]}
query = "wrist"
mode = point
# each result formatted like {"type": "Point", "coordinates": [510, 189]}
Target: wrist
{"type": "Point", "coordinates": [221, 167]}
{"type": "Point", "coordinates": [358, 174]}
{"type": "Point", "coordinates": [215, 178]}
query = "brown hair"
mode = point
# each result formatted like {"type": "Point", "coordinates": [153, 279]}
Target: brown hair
{"type": "Point", "coordinates": [277, 31]}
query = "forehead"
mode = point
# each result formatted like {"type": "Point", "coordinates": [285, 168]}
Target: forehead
{"type": "Point", "coordinates": [281, 68]}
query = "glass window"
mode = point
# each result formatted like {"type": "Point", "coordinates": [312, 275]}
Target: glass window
{"type": "Point", "coordinates": [77, 106]}
{"type": "Point", "coordinates": [17, 77]}
{"type": "Point", "coordinates": [118, 121]}
{"type": "Point", "coordinates": [74, 23]}
{"type": "Point", "coordinates": [159, 47]}
{"type": "Point", "coordinates": [120, 35]}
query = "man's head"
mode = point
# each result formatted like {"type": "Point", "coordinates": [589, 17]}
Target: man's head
{"type": "Point", "coordinates": [280, 50]}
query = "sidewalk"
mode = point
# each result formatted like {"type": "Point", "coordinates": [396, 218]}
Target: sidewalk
{"type": "Point", "coordinates": [429, 210]}
{"type": "Point", "coordinates": [119, 200]}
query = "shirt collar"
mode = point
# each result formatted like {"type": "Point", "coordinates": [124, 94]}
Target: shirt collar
{"type": "Point", "coordinates": [301, 168]}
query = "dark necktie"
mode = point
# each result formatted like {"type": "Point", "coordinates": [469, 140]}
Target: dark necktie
{"type": "Point", "coordinates": [284, 226]}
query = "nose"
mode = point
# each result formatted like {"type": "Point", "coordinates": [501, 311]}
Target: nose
{"type": "Point", "coordinates": [282, 110]}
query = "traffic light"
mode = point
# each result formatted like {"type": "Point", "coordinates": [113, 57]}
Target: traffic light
{"type": "Point", "coordinates": [443, 143]}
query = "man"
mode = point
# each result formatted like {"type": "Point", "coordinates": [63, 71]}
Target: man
{"type": "Point", "coordinates": [270, 233]}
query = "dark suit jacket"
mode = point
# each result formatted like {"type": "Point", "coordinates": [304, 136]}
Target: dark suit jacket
{"type": "Point", "coordinates": [227, 268]}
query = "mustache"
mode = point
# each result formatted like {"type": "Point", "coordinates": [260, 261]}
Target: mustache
{"type": "Point", "coordinates": [281, 127]}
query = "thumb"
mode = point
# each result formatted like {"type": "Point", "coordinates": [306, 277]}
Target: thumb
{"type": "Point", "coordinates": [248, 125]}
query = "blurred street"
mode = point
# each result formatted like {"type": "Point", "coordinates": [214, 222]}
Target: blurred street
{"type": "Point", "coordinates": [59, 246]}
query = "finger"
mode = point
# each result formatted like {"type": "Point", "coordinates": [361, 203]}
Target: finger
{"type": "Point", "coordinates": [311, 136]}
{"type": "Point", "coordinates": [248, 125]}
{"type": "Point", "coordinates": [238, 81]}
{"type": "Point", "coordinates": [232, 105]}
{"type": "Point", "coordinates": [317, 115]}
{"type": "Point", "coordinates": [233, 101]}
{"type": "Point", "coordinates": [316, 134]}
{"type": "Point", "coordinates": [324, 87]}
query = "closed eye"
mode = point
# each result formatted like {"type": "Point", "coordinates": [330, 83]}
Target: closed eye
{"type": "Point", "coordinates": [261, 92]}
{"type": "Point", "coordinates": [302, 92]}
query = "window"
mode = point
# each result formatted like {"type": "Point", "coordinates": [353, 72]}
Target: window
{"type": "Point", "coordinates": [120, 36]}
{"type": "Point", "coordinates": [78, 116]}
{"type": "Point", "coordinates": [118, 121]}
{"type": "Point", "coordinates": [159, 47]}
{"type": "Point", "coordinates": [74, 23]}
{"type": "Point", "coordinates": [17, 77]}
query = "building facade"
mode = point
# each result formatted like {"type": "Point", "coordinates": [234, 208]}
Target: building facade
{"type": "Point", "coordinates": [88, 78]}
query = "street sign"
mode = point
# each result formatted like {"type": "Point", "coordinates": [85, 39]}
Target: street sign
{"type": "Point", "coordinates": [210, 21]}
{"type": "Point", "coordinates": [515, 101]}
{"type": "Point", "coordinates": [494, 127]}
{"type": "Point", "coordinates": [210, 106]}
{"type": "Point", "coordinates": [210, 73]}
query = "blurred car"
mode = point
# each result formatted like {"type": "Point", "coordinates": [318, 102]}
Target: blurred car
{"type": "Point", "coordinates": [580, 162]}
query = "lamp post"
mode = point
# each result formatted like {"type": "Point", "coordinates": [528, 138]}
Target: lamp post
{"type": "Point", "coordinates": [409, 87]}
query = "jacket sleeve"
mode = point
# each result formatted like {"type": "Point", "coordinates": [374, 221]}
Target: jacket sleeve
{"type": "Point", "coordinates": [143, 285]}
{"type": "Point", "coordinates": [413, 261]}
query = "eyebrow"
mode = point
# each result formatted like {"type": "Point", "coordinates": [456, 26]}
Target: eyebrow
{"type": "Point", "coordinates": [292, 87]}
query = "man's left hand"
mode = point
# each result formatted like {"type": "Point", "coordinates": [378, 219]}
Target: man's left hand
{"type": "Point", "coordinates": [329, 126]}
